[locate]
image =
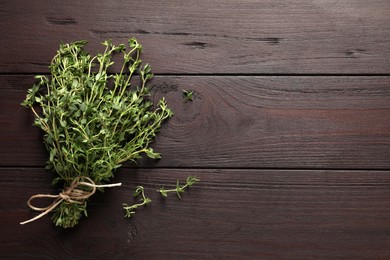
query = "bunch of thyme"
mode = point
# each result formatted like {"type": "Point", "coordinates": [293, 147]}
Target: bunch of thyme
{"type": "Point", "coordinates": [94, 121]}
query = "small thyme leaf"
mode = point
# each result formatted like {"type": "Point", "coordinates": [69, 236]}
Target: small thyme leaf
{"type": "Point", "coordinates": [188, 95]}
{"type": "Point", "coordinates": [191, 180]}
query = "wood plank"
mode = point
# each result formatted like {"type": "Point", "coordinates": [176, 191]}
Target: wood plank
{"type": "Point", "coordinates": [218, 36]}
{"type": "Point", "coordinates": [230, 214]}
{"type": "Point", "coordinates": [282, 122]}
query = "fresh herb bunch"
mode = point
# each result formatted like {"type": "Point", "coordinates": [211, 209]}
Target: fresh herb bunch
{"type": "Point", "coordinates": [94, 121]}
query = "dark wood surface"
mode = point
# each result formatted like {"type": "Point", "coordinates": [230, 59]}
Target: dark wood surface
{"type": "Point", "coordinates": [289, 130]}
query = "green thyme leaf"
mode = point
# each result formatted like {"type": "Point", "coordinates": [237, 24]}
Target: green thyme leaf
{"type": "Point", "coordinates": [188, 95]}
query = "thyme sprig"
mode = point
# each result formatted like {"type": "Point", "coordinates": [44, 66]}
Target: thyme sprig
{"type": "Point", "coordinates": [179, 189]}
{"type": "Point", "coordinates": [130, 210]}
{"type": "Point", "coordinates": [94, 121]}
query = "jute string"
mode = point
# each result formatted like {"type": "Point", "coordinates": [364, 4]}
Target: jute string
{"type": "Point", "coordinates": [71, 194]}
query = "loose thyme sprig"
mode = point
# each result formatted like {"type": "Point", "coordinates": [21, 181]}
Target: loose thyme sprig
{"type": "Point", "coordinates": [179, 189]}
{"type": "Point", "coordinates": [130, 210]}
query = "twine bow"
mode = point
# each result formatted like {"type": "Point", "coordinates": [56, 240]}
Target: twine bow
{"type": "Point", "coordinates": [72, 194]}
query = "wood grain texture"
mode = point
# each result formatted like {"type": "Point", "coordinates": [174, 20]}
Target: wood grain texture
{"type": "Point", "coordinates": [218, 36]}
{"type": "Point", "coordinates": [289, 130]}
{"type": "Point", "coordinates": [241, 122]}
{"type": "Point", "coordinates": [230, 214]}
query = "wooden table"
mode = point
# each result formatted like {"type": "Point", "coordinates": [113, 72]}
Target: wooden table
{"type": "Point", "coordinates": [289, 130]}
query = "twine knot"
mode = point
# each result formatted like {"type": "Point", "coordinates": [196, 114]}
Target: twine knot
{"type": "Point", "coordinates": [72, 194]}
